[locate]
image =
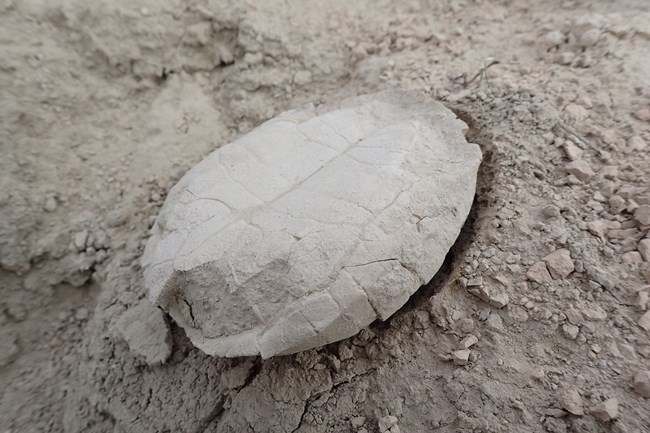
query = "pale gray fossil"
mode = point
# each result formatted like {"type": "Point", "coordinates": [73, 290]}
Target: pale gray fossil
{"type": "Point", "coordinates": [313, 225]}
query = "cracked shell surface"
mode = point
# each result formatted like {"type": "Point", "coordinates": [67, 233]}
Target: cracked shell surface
{"type": "Point", "coordinates": [313, 225]}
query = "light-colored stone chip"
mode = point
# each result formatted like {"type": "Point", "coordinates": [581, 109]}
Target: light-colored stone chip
{"type": "Point", "coordinates": [313, 225]}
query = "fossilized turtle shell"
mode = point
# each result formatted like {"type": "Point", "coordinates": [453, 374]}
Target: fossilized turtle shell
{"type": "Point", "coordinates": [313, 225]}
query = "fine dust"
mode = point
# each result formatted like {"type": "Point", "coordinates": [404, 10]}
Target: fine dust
{"type": "Point", "coordinates": [537, 322]}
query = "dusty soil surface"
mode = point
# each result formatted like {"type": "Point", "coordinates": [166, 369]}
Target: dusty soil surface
{"type": "Point", "coordinates": [105, 104]}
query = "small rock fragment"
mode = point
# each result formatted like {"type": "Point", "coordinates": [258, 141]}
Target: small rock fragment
{"type": "Point", "coordinates": [622, 233]}
{"type": "Point", "coordinates": [461, 357]}
{"type": "Point", "coordinates": [642, 114]}
{"type": "Point", "coordinates": [632, 258]}
{"type": "Point", "coordinates": [499, 300]}
{"type": "Point", "coordinates": [144, 329]}
{"type": "Point", "coordinates": [495, 322]}
{"type": "Point", "coordinates": [50, 204]}
{"type": "Point", "coordinates": [559, 263]}
{"type": "Point", "coordinates": [468, 341]}
{"type": "Point", "coordinates": [601, 227]}
{"type": "Point", "coordinates": [642, 215]}
{"type": "Point", "coordinates": [576, 112]}
{"type": "Point", "coordinates": [551, 211]}
{"type": "Point", "coordinates": [610, 172]}
{"type": "Point", "coordinates": [606, 411]}
{"type": "Point", "coordinates": [590, 38]}
{"type": "Point", "coordinates": [641, 301]}
{"type": "Point", "coordinates": [571, 151]}
{"type": "Point", "coordinates": [571, 401]}
{"type": "Point", "coordinates": [580, 169]}
{"type": "Point", "coordinates": [573, 316]}
{"type": "Point", "coordinates": [617, 204]}
{"type": "Point", "coordinates": [385, 423]}
{"type": "Point", "coordinates": [626, 191]}
{"type": "Point", "coordinates": [594, 313]}
{"type": "Point", "coordinates": [570, 331]}
{"type": "Point", "coordinates": [637, 143]}
{"type": "Point", "coordinates": [642, 383]}
{"type": "Point", "coordinates": [358, 421]}
{"type": "Point", "coordinates": [478, 290]}
{"type": "Point", "coordinates": [539, 273]}
{"type": "Point", "coordinates": [80, 239]}
{"type": "Point", "coordinates": [644, 321]}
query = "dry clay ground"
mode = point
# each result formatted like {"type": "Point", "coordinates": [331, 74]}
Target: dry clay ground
{"type": "Point", "coordinates": [105, 103]}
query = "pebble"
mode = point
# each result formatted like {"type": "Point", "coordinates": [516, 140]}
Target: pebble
{"type": "Point", "coordinates": [610, 172]}
{"type": "Point", "coordinates": [622, 233]}
{"type": "Point", "coordinates": [576, 112]}
{"type": "Point", "coordinates": [461, 357]}
{"type": "Point", "coordinates": [551, 211]}
{"type": "Point", "coordinates": [385, 423]}
{"type": "Point", "coordinates": [642, 383]}
{"type": "Point", "coordinates": [499, 300]}
{"type": "Point", "coordinates": [571, 401]}
{"type": "Point", "coordinates": [50, 204]}
{"type": "Point", "coordinates": [632, 206]}
{"type": "Point", "coordinates": [559, 263]}
{"type": "Point", "coordinates": [571, 151]}
{"type": "Point", "coordinates": [632, 258]}
{"type": "Point", "coordinates": [594, 313]}
{"type": "Point", "coordinates": [606, 411]}
{"type": "Point", "coordinates": [642, 215]}
{"type": "Point", "coordinates": [641, 301]}
{"type": "Point", "coordinates": [495, 322]}
{"type": "Point", "coordinates": [590, 38]}
{"type": "Point", "coordinates": [580, 169]}
{"type": "Point", "coordinates": [637, 143]}
{"type": "Point", "coordinates": [642, 114]}
{"type": "Point", "coordinates": [644, 321]}
{"type": "Point", "coordinates": [539, 273]}
{"type": "Point", "coordinates": [358, 421]}
{"type": "Point", "coordinates": [573, 316]}
{"type": "Point", "coordinates": [626, 191]}
{"type": "Point", "coordinates": [601, 227]}
{"type": "Point", "coordinates": [570, 331]}
{"type": "Point", "coordinates": [80, 239]}
{"type": "Point", "coordinates": [617, 204]}
{"type": "Point", "coordinates": [468, 341]}
{"type": "Point", "coordinates": [598, 196]}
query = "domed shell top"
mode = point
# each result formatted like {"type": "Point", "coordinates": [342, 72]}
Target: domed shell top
{"type": "Point", "coordinates": [316, 223]}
